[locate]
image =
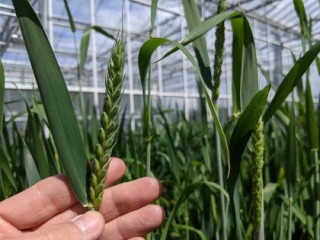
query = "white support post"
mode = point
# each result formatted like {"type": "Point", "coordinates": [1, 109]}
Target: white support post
{"type": "Point", "coordinates": [129, 54]}
{"type": "Point", "coordinates": [94, 57]}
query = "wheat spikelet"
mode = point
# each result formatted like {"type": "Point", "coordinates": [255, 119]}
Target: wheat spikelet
{"type": "Point", "coordinates": [109, 125]}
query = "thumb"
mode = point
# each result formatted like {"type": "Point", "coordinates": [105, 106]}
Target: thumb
{"type": "Point", "coordinates": [88, 226]}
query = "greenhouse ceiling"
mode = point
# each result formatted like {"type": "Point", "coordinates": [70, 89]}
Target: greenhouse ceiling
{"type": "Point", "coordinates": [274, 22]}
{"type": "Point", "coordinates": [279, 13]}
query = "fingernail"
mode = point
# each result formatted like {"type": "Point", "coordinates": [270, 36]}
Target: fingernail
{"type": "Point", "coordinates": [90, 224]}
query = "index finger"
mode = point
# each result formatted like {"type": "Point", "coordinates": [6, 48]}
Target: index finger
{"type": "Point", "coordinates": [47, 198]}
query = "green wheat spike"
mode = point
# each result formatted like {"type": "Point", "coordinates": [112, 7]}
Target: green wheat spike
{"type": "Point", "coordinates": [219, 48]}
{"type": "Point", "coordinates": [257, 165]}
{"type": "Point", "coordinates": [109, 125]}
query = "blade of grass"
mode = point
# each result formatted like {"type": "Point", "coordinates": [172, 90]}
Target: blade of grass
{"type": "Point", "coordinates": [192, 16]}
{"type": "Point", "coordinates": [291, 152]}
{"type": "Point", "coordinates": [36, 145]}
{"type": "Point", "coordinates": [154, 6]}
{"type": "Point", "coordinates": [172, 151]}
{"type": "Point", "coordinates": [56, 99]}
{"type": "Point", "coordinates": [84, 44]}
{"type": "Point", "coordinates": [2, 80]}
{"type": "Point", "coordinates": [312, 126]}
{"type": "Point", "coordinates": [192, 229]}
{"type": "Point", "coordinates": [305, 30]}
{"type": "Point", "coordinates": [242, 132]}
{"type": "Point", "coordinates": [5, 167]}
{"type": "Point", "coordinates": [187, 191]}
{"type": "Point", "coordinates": [71, 21]}
{"type": "Point", "coordinates": [291, 79]}
{"type": "Point", "coordinates": [202, 29]}
{"type": "Point", "coordinates": [290, 167]}
{"type": "Point", "coordinates": [144, 57]}
{"type": "Point", "coordinates": [32, 173]}
{"type": "Point", "coordinates": [312, 132]}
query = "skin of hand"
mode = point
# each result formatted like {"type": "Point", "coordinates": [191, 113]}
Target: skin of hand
{"type": "Point", "coordinates": [49, 210]}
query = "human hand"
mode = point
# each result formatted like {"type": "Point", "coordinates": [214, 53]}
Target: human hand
{"type": "Point", "coordinates": [49, 210]}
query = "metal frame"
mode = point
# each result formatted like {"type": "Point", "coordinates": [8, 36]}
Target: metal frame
{"type": "Point", "coordinates": [256, 12]}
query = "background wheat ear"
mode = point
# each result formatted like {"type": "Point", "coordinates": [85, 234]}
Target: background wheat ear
{"type": "Point", "coordinates": [108, 124]}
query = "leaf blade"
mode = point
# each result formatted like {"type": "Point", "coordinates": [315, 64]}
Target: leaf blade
{"type": "Point", "coordinates": [56, 99]}
{"type": "Point", "coordinates": [242, 132]}
{"type": "Point", "coordinates": [291, 79]}
{"type": "Point", "coordinates": [2, 81]}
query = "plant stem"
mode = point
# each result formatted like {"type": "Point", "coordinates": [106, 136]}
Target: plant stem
{"type": "Point", "coordinates": [221, 183]}
{"type": "Point", "coordinates": [290, 220]}
{"type": "Point", "coordinates": [317, 196]}
{"type": "Point", "coordinates": [148, 123]}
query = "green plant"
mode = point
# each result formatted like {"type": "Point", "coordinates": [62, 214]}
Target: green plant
{"type": "Point", "coordinates": [272, 146]}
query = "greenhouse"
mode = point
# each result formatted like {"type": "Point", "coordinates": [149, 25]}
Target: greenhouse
{"type": "Point", "coordinates": [217, 99]}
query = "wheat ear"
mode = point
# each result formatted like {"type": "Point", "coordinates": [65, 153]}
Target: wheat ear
{"type": "Point", "coordinates": [219, 48]}
{"type": "Point", "coordinates": [109, 125]}
{"type": "Point", "coordinates": [257, 165]}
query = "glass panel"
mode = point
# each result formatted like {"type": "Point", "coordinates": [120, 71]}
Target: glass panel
{"type": "Point", "coordinates": [79, 9]}
{"type": "Point", "coordinates": [109, 13]}
{"type": "Point", "coordinates": [170, 25]}
{"type": "Point", "coordinates": [171, 5]}
{"type": "Point", "coordinates": [139, 18]}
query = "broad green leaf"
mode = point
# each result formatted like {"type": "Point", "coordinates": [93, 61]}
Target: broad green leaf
{"type": "Point", "coordinates": [1, 94]}
{"type": "Point", "coordinates": [249, 85]}
{"type": "Point", "coordinates": [56, 99]}
{"type": "Point", "coordinates": [237, 46]}
{"type": "Point", "coordinates": [84, 45]}
{"type": "Point", "coordinates": [242, 132]}
{"type": "Point", "coordinates": [311, 124]}
{"type": "Point", "coordinates": [144, 57]}
{"type": "Point", "coordinates": [192, 16]}
{"type": "Point", "coordinates": [291, 79]}
{"type": "Point", "coordinates": [154, 6]}
{"type": "Point", "coordinates": [239, 139]}
{"type": "Point", "coordinates": [245, 83]}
